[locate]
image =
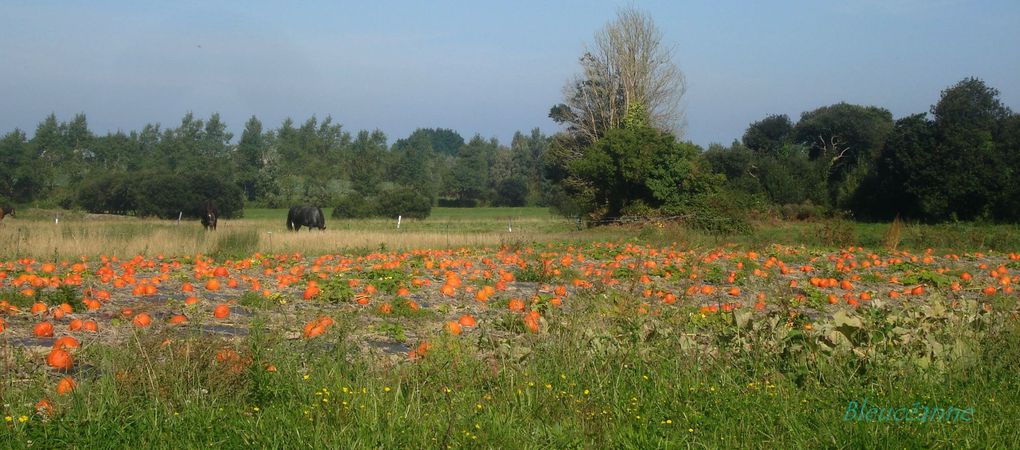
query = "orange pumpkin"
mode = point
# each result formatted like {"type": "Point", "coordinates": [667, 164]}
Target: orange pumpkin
{"type": "Point", "coordinates": [90, 325]}
{"type": "Point", "coordinates": [60, 359]}
{"type": "Point", "coordinates": [66, 342]}
{"type": "Point", "coordinates": [313, 329]}
{"type": "Point", "coordinates": [66, 385]}
{"type": "Point", "coordinates": [454, 328]}
{"type": "Point", "coordinates": [142, 320]}
{"type": "Point", "coordinates": [516, 305]}
{"type": "Point", "coordinates": [39, 308]}
{"type": "Point", "coordinates": [43, 329]}
{"type": "Point", "coordinates": [221, 311]}
{"type": "Point", "coordinates": [467, 320]}
{"type": "Point", "coordinates": [531, 321]}
{"type": "Point", "coordinates": [213, 284]}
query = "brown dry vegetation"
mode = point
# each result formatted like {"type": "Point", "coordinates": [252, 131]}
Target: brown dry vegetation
{"type": "Point", "coordinates": [73, 238]}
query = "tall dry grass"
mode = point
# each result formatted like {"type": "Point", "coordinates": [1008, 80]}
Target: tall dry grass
{"type": "Point", "coordinates": [71, 239]}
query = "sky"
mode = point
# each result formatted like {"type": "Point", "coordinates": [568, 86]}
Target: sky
{"type": "Point", "coordinates": [480, 67]}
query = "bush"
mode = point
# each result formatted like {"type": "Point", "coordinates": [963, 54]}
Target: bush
{"type": "Point", "coordinates": [511, 192]}
{"type": "Point", "coordinates": [837, 232]}
{"type": "Point", "coordinates": [354, 206]}
{"type": "Point", "coordinates": [403, 201]}
{"type": "Point", "coordinates": [391, 202]}
{"type": "Point", "coordinates": [802, 211]}
{"type": "Point", "coordinates": [162, 195]}
{"type": "Point", "coordinates": [638, 208]}
{"type": "Point", "coordinates": [107, 193]}
{"type": "Point", "coordinates": [722, 212]}
{"type": "Point", "coordinates": [457, 202]}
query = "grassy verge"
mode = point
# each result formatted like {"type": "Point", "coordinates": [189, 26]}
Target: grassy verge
{"type": "Point", "coordinates": [594, 378]}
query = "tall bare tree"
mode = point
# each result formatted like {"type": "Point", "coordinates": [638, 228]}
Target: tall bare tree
{"type": "Point", "coordinates": [627, 69]}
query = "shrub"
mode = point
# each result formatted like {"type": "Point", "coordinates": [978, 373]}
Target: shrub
{"type": "Point", "coordinates": [724, 211]}
{"type": "Point", "coordinates": [838, 232]}
{"type": "Point", "coordinates": [403, 201]}
{"type": "Point", "coordinates": [511, 192]}
{"type": "Point", "coordinates": [457, 202]}
{"type": "Point", "coordinates": [107, 193]}
{"type": "Point", "coordinates": [354, 206]}
{"type": "Point", "coordinates": [162, 195]}
{"type": "Point", "coordinates": [391, 202]}
{"type": "Point", "coordinates": [802, 211]}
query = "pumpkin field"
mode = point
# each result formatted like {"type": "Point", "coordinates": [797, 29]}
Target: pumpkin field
{"type": "Point", "coordinates": [626, 337]}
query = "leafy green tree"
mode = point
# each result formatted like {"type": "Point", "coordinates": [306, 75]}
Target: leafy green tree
{"type": "Point", "coordinates": [414, 164]}
{"type": "Point", "coordinates": [250, 159]}
{"type": "Point", "coordinates": [367, 163]}
{"type": "Point", "coordinates": [956, 166]}
{"type": "Point", "coordinates": [442, 140]}
{"type": "Point", "coordinates": [737, 163]}
{"type": "Point", "coordinates": [22, 172]}
{"type": "Point", "coordinates": [616, 167]}
{"type": "Point", "coordinates": [1006, 206]}
{"type": "Point", "coordinates": [769, 134]}
{"type": "Point", "coordinates": [680, 179]}
{"type": "Point", "coordinates": [81, 141]}
{"type": "Point", "coordinates": [968, 121]}
{"type": "Point", "coordinates": [470, 174]}
{"type": "Point", "coordinates": [845, 136]}
{"type": "Point", "coordinates": [49, 146]}
{"type": "Point", "coordinates": [528, 153]}
{"type": "Point", "coordinates": [902, 175]}
{"type": "Point", "coordinates": [789, 176]}
{"type": "Point", "coordinates": [511, 192]}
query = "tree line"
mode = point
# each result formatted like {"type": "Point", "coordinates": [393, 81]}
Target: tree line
{"type": "Point", "coordinates": [165, 171]}
{"type": "Point", "coordinates": [961, 161]}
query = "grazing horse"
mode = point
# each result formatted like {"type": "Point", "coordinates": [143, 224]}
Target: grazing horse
{"type": "Point", "coordinates": [209, 218]}
{"type": "Point", "coordinates": [308, 216]}
{"type": "Point", "coordinates": [6, 211]}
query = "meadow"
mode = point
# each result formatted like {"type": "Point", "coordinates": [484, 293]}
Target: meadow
{"type": "Point", "coordinates": [455, 332]}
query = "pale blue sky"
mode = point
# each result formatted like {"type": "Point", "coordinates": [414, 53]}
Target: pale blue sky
{"type": "Point", "coordinates": [478, 66]}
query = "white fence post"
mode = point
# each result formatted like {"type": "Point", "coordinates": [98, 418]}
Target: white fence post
{"type": "Point", "coordinates": [398, 221]}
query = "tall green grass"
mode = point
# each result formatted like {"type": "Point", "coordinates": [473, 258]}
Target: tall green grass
{"type": "Point", "coordinates": [597, 379]}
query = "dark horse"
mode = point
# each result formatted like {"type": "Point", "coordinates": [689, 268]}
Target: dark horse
{"type": "Point", "coordinates": [6, 211]}
{"type": "Point", "coordinates": [308, 216]}
{"type": "Point", "coordinates": [209, 217]}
